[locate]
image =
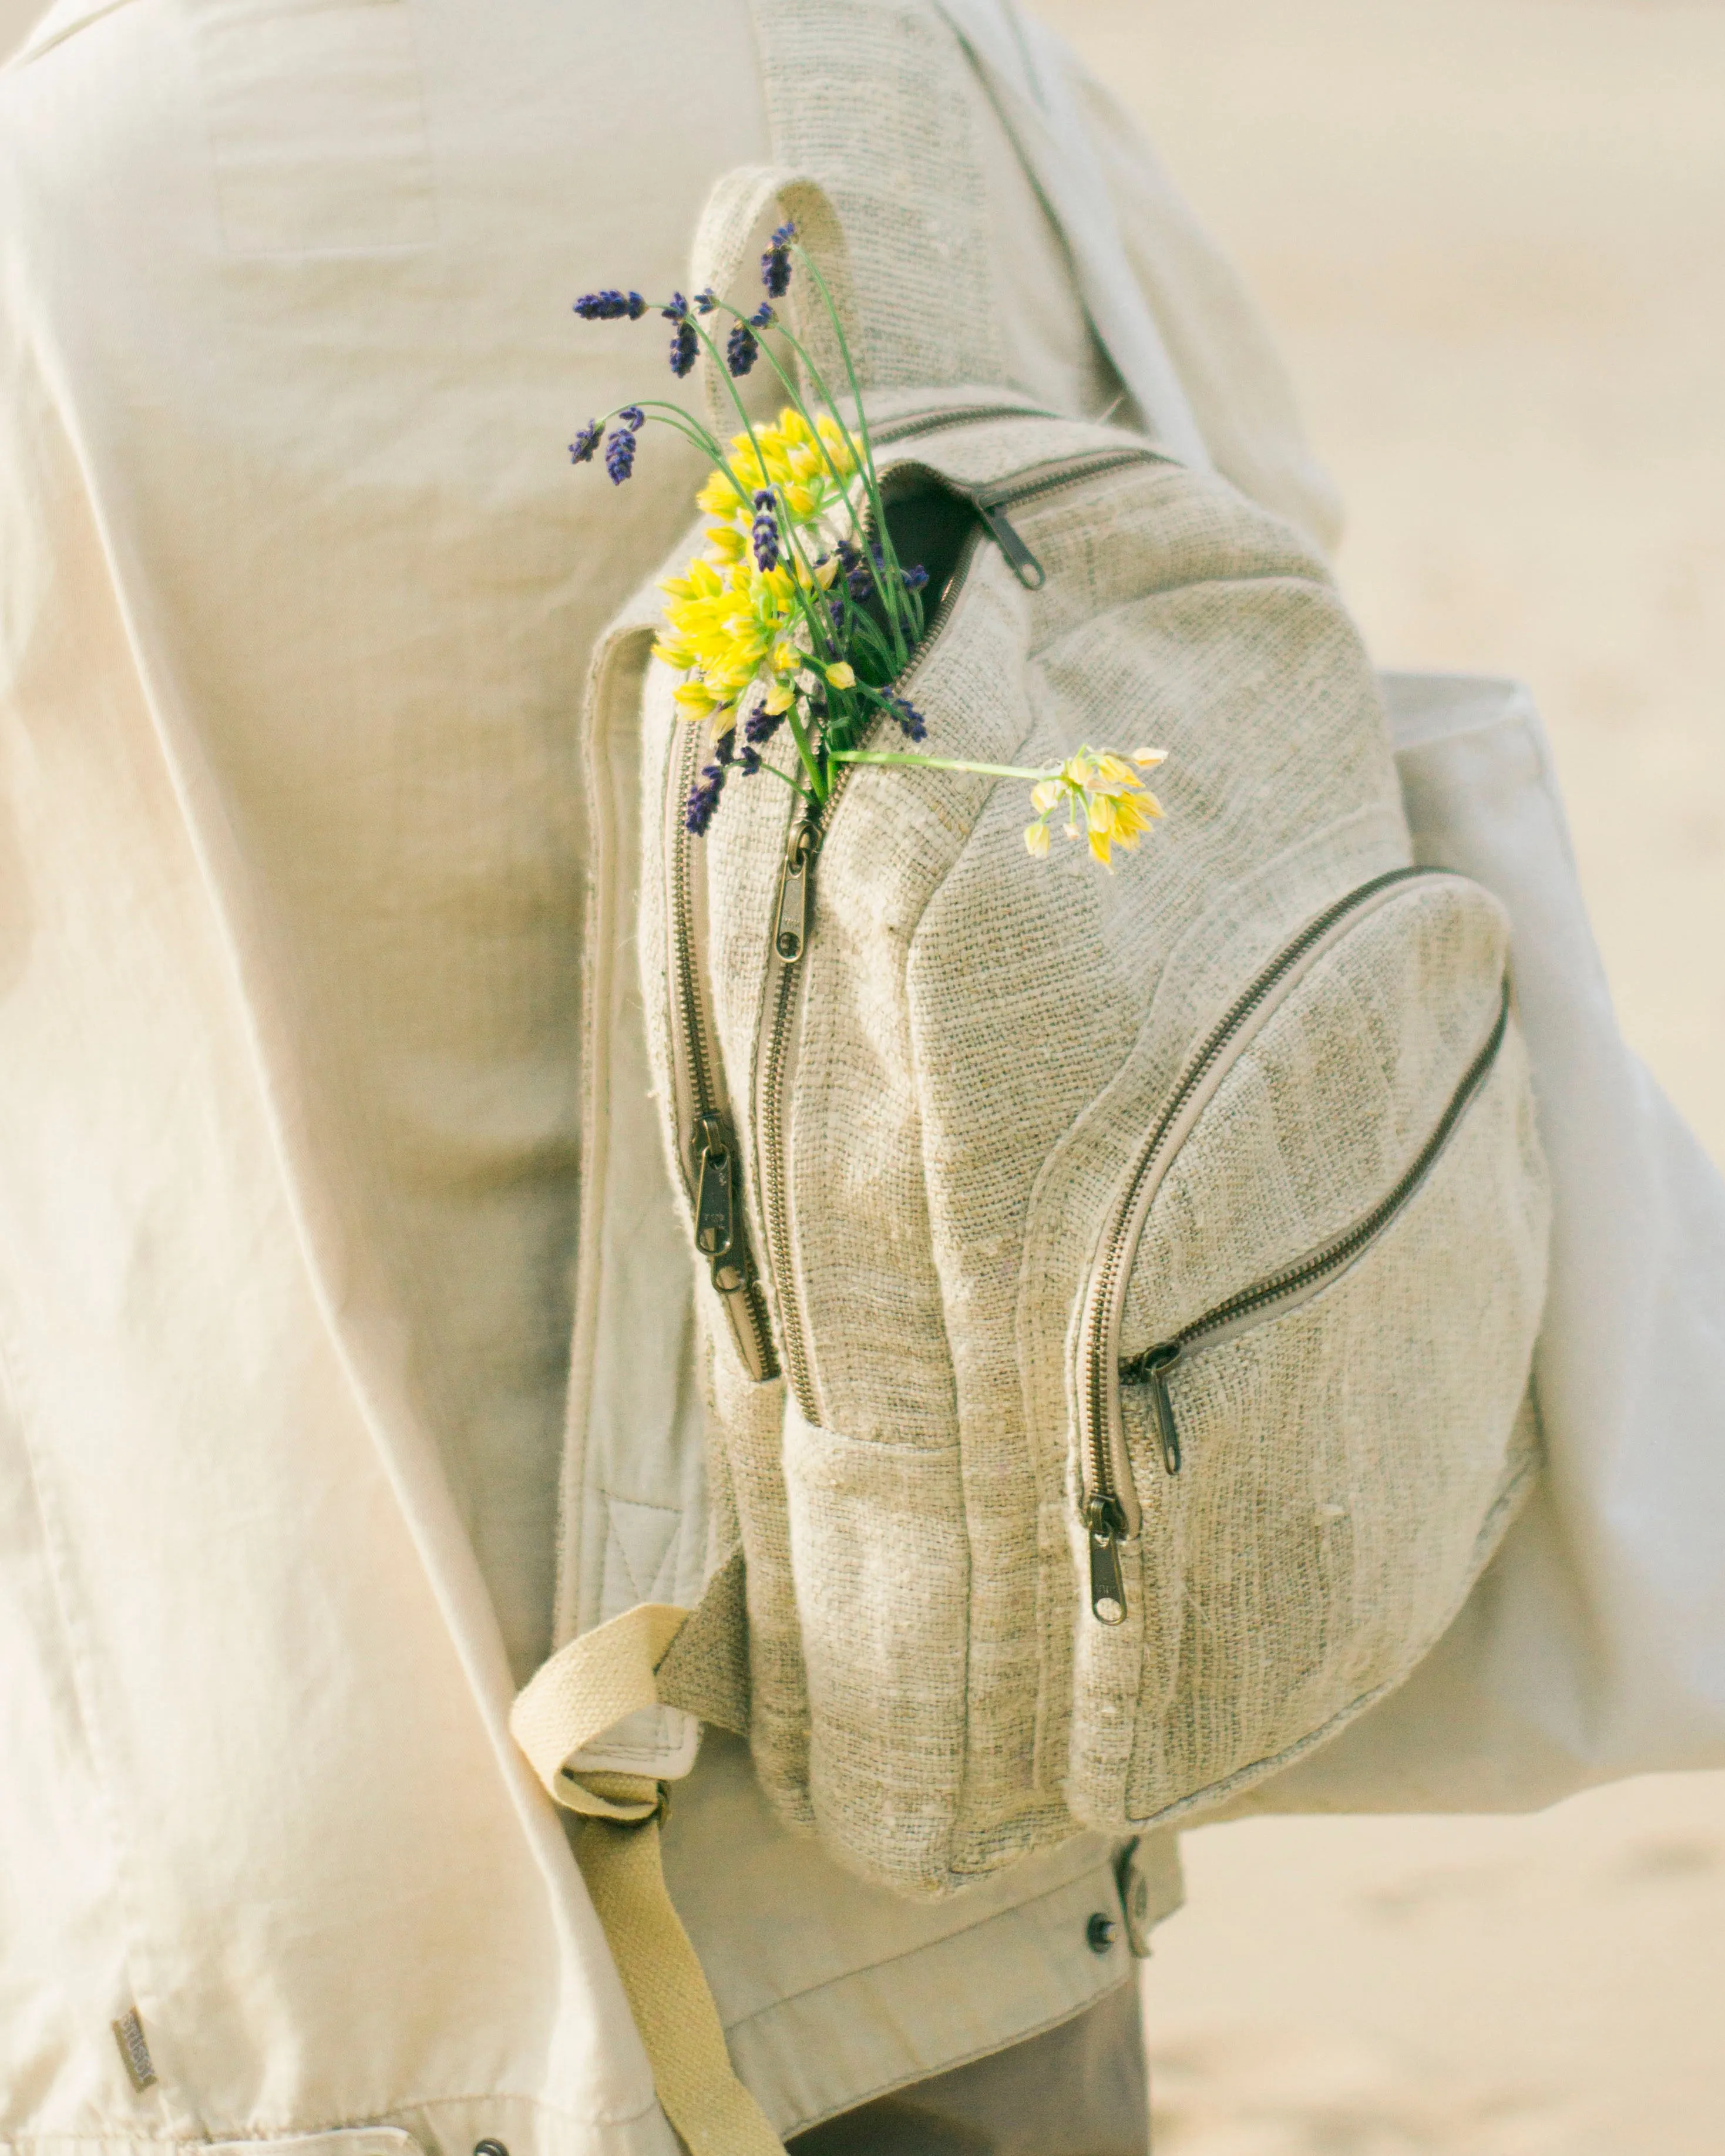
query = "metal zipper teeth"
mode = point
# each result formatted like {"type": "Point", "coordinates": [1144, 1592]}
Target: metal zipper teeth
{"type": "Point", "coordinates": [683, 776]}
{"type": "Point", "coordinates": [1298, 1281]}
{"type": "Point", "coordinates": [809, 832]}
{"type": "Point", "coordinates": [1090, 465]}
{"type": "Point", "coordinates": [917, 424]}
{"type": "Point", "coordinates": [772, 1152]}
{"type": "Point", "coordinates": [1117, 1255]}
{"type": "Point", "coordinates": [743, 1303]}
{"type": "Point", "coordinates": [992, 502]}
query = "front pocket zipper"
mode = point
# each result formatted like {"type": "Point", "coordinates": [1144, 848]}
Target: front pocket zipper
{"type": "Point", "coordinates": [706, 1145]}
{"type": "Point", "coordinates": [794, 899]}
{"type": "Point", "coordinates": [1286, 1290]}
{"type": "Point", "coordinates": [1109, 1501]}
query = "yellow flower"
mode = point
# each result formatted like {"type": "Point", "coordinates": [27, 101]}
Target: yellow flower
{"type": "Point", "coordinates": [838, 443]}
{"type": "Point", "coordinates": [718, 497]}
{"type": "Point", "coordinates": [695, 699]}
{"type": "Point", "coordinates": [1104, 798]}
{"type": "Point", "coordinates": [729, 623]}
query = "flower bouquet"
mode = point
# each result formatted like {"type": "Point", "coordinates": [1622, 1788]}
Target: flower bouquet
{"type": "Point", "coordinates": [797, 620]}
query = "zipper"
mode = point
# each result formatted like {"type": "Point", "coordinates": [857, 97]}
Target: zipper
{"type": "Point", "coordinates": [937, 420]}
{"type": "Point", "coordinates": [1296, 1284]}
{"type": "Point", "coordinates": [793, 917]}
{"type": "Point", "coordinates": [706, 1149]}
{"type": "Point", "coordinates": [1109, 1506]}
{"type": "Point", "coordinates": [794, 899]}
{"type": "Point", "coordinates": [991, 503]}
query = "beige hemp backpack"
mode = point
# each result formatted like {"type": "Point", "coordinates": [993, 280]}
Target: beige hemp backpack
{"type": "Point", "coordinates": [1118, 1292]}
{"type": "Point", "coordinates": [1121, 1291]}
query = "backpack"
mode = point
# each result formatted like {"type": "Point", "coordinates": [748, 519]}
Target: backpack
{"type": "Point", "coordinates": [1117, 1293]}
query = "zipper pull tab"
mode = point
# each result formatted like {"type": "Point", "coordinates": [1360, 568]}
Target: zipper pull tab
{"type": "Point", "coordinates": [1023, 563]}
{"type": "Point", "coordinates": [1106, 1524]}
{"type": "Point", "coordinates": [790, 931]}
{"type": "Point", "coordinates": [715, 1197]}
{"type": "Point", "coordinates": [1156, 1367]}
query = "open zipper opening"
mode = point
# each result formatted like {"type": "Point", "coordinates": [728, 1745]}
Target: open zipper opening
{"type": "Point", "coordinates": [793, 902]}
{"type": "Point", "coordinates": [707, 1149]}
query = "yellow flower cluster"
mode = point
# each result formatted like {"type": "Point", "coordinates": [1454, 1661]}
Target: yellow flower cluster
{"type": "Point", "coordinates": [730, 620]}
{"type": "Point", "coordinates": [1104, 798]}
{"type": "Point", "coordinates": [808, 466]}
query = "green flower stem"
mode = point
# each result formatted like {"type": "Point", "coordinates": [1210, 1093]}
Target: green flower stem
{"type": "Point", "coordinates": [716, 359]}
{"type": "Point", "coordinates": [862, 417]}
{"type": "Point", "coordinates": [941, 763]}
{"type": "Point", "coordinates": [818, 783]}
{"type": "Point", "coordinates": [795, 394]}
{"type": "Point", "coordinates": [871, 477]}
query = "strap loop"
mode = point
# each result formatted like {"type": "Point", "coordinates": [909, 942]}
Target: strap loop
{"type": "Point", "coordinates": [587, 1686]}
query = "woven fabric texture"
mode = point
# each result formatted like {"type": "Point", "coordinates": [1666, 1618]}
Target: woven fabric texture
{"type": "Point", "coordinates": [976, 1048]}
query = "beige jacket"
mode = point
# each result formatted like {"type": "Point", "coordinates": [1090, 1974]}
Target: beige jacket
{"type": "Point", "coordinates": [297, 590]}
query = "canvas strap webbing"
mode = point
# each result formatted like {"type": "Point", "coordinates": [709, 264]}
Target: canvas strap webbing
{"type": "Point", "coordinates": [586, 1688]}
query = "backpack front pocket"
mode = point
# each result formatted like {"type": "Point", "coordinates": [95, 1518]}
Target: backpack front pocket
{"type": "Point", "coordinates": [1303, 1351]}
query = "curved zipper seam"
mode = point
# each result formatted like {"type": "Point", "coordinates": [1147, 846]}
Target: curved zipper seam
{"type": "Point", "coordinates": [1099, 1397]}
{"type": "Point", "coordinates": [780, 992]}
{"type": "Point", "coordinates": [783, 996]}
{"type": "Point", "coordinates": [1295, 1285]}
{"type": "Point", "coordinates": [706, 1096]}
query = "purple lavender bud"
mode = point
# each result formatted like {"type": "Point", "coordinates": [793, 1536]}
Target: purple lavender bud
{"type": "Point", "coordinates": [911, 721]}
{"type": "Point", "coordinates": [741, 348]}
{"type": "Point", "coordinates": [761, 725]}
{"type": "Point", "coordinates": [632, 417]}
{"type": "Point", "coordinates": [762, 316]}
{"type": "Point", "coordinates": [706, 301]}
{"type": "Point", "coordinates": [675, 309]}
{"type": "Point", "coordinates": [776, 262]}
{"type": "Point", "coordinates": [610, 306]}
{"type": "Point", "coordinates": [585, 443]}
{"type": "Point", "coordinates": [763, 535]}
{"type": "Point", "coordinates": [749, 762]}
{"type": "Point", "coordinates": [703, 802]}
{"type": "Point", "coordinates": [858, 579]}
{"type": "Point", "coordinates": [685, 349]}
{"type": "Point", "coordinates": [620, 454]}
{"type": "Point", "coordinates": [915, 578]}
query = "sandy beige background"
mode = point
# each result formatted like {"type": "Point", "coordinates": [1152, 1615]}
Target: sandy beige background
{"type": "Point", "coordinates": [1491, 235]}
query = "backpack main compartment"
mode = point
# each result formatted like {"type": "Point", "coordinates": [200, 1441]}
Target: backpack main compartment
{"type": "Point", "coordinates": [1119, 1290]}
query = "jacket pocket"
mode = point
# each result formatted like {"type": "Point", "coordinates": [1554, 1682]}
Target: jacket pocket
{"type": "Point", "coordinates": [1319, 1341]}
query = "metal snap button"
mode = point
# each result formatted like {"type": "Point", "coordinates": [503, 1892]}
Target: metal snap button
{"type": "Point", "coordinates": [1099, 1934]}
{"type": "Point", "coordinates": [488, 2147]}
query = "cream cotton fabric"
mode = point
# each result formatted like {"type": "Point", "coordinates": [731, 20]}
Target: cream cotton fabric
{"type": "Point", "coordinates": [296, 591]}
{"type": "Point", "coordinates": [295, 596]}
